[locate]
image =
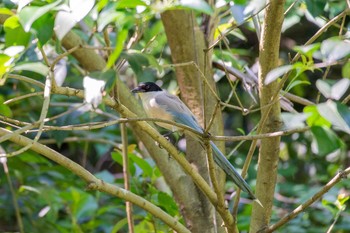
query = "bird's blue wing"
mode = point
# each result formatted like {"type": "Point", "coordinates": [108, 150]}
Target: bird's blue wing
{"type": "Point", "coordinates": [229, 169]}
{"type": "Point", "coordinates": [180, 112]}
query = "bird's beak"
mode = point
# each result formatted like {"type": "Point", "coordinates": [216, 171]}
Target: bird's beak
{"type": "Point", "coordinates": [137, 90]}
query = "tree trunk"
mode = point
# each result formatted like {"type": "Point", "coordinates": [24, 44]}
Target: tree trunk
{"type": "Point", "coordinates": [187, 43]}
{"type": "Point", "coordinates": [269, 149]}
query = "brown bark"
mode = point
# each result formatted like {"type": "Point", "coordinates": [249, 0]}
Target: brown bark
{"type": "Point", "coordinates": [269, 150]}
{"type": "Point", "coordinates": [187, 43]}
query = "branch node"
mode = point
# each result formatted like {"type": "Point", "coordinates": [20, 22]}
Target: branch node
{"type": "Point", "coordinates": [92, 186]}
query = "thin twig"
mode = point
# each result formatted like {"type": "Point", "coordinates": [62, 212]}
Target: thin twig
{"type": "Point", "coordinates": [13, 193]}
{"type": "Point", "coordinates": [126, 174]}
{"type": "Point", "coordinates": [80, 139]}
{"type": "Point", "coordinates": [306, 204]}
{"type": "Point", "coordinates": [26, 79]}
{"type": "Point", "coordinates": [212, 174]}
{"type": "Point", "coordinates": [95, 183]}
{"type": "Point", "coordinates": [41, 121]}
{"type": "Point", "coordinates": [23, 97]}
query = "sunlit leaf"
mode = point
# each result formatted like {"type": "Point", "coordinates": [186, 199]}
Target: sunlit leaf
{"type": "Point", "coordinates": [14, 33]}
{"type": "Point", "coordinates": [308, 50]}
{"type": "Point", "coordinates": [66, 19]}
{"type": "Point", "coordinates": [106, 17]}
{"type": "Point", "coordinates": [276, 73]}
{"type": "Point", "coordinates": [333, 91]}
{"type": "Point", "coordinates": [36, 67]}
{"type": "Point", "coordinates": [339, 88]}
{"type": "Point", "coordinates": [324, 88]}
{"type": "Point", "coordinates": [121, 4]}
{"type": "Point", "coordinates": [28, 15]}
{"type": "Point", "coordinates": [4, 109]}
{"type": "Point", "coordinates": [6, 11]}
{"type": "Point", "coordinates": [93, 90]}
{"type": "Point", "coordinates": [330, 111]}
{"type": "Point", "coordinates": [64, 22]}
{"type": "Point", "coordinates": [198, 5]}
{"type": "Point", "coordinates": [122, 36]}
{"type": "Point", "coordinates": [80, 8]}
{"type": "Point", "coordinates": [292, 120]}
{"type": "Point", "coordinates": [334, 49]}
{"type": "Point", "coordinates": [5, 64]}
{"type": "Point", "coordinates": [314, 118]}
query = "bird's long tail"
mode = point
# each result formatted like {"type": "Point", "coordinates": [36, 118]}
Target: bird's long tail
{"type": "Point", "coordinates": [225, 165]}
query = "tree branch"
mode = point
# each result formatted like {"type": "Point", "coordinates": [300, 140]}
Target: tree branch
{"type": "Point", "coordinates": [306, 204]}
{"type": "Point", "coordinates": [93, 182]}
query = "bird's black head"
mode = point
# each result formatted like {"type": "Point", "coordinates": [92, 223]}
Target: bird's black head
{"type": "Point", "coordinates": [146, 87]}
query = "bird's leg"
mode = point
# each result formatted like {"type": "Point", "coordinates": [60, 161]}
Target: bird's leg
{"type": "Point", "coordinates": [166, 135]}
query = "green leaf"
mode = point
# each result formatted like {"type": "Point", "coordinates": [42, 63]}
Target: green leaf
{"type": "Point", "coordinates": [14, 33]}
{"type": "Point", "coordinates": [106, 17]}
{"type": "Point", "coordinates": [308, 50]}
{"type": "Point", "coordinates": [314, 118]}
{"type": "Point", "coordinates": [316, 7]}
{"type": "Point", "coordinates": [122, 4]}
{"type": "Point", "coordinates": [4, 109]}
{"type": "Point", "coordinates": [296, 83]}
{"type": "Point", "coordinates": [337, 114]}
{"type": "Point", "coordinates": [326, 140]}
{"type": "Point", "coordinates": [6, 11]}
{"type": "Point", "coordinates": [143, 164]}
{"type": "Point", "coordinates": [122, 36]}
{"type": "Point", "coordinates": [32, 157]}
{"type": "Point", "coordinates": [5, 64]}
{"type": "Point", "coordinates": [119, 225]}
{"type": "Point", "coordinates": [138, 61]}
{"type": "Point", "coordinates": [29, 14]}
{"type": "Point", "coordinates": [346, 70]}
{"type": "Point", "coordinates": [167, 203]}
{"type": "Point", "coordinates": [82, 203]}
{"type": "Point", "coordinates": [36, 67]}
{"type": "Point", "coordinates": [344, 112]}
{"type": "Point", "coordinates": [197, 5]}
{"type": "Point", "coordinates": [43, 28]}
{"type": "Point", "coordinates": [117, 156]}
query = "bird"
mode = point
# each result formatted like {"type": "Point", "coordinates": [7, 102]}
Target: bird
{"type": "Point", "coordinates": [160, 104]}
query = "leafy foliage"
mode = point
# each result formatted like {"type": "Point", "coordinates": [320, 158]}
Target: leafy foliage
{"type": "Point", "coordinates": [130, 36]}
